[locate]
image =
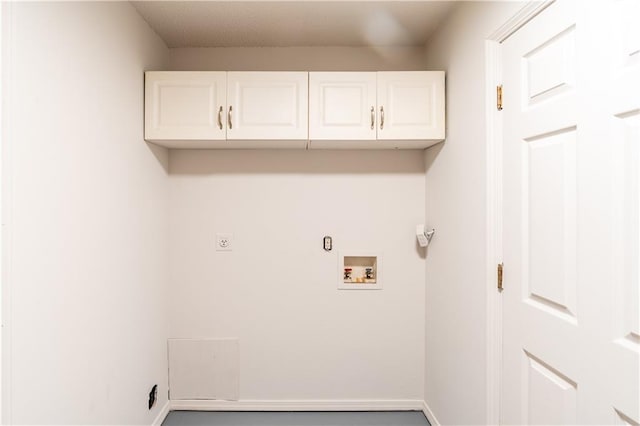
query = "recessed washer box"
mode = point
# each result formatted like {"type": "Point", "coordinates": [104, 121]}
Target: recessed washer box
{"type": "Point", "coordinates": [360, 270]}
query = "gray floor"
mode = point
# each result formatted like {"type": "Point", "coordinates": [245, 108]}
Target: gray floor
{"type": "Point", "coordinates": [367, 418]}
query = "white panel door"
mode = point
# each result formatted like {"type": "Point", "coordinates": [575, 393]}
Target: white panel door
{"type": "Point", "coordinates": [411, 105]}
{"type": "Point", "coordinates": [342, 105]}
{"type": "Point", "coordinates": [621, 110]}
{"type": "Point", "coordinates": [185, 105]}
{"type": "Point", "coordinates": [570, 219]}
{"type": "Point", "coordinates": [267, 105]}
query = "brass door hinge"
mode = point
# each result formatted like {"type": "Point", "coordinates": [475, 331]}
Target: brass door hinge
{"type": "Point", "coordinates": [499, 97]}
{"type": "Point", "coordinates": [500, 267]}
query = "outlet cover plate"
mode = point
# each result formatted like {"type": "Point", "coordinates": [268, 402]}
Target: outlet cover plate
{"type": "Point", "coordinates": [224, 242]}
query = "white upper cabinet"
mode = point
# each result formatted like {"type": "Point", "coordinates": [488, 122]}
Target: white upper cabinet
{"type": "Point", "coordinates": [185, 105]}
{"type": "Point", "coordinates": [342, 105]}
{"type": "Point", "coordinates": [329, 110]}
{"type": "Point", "coordinates": [267, 105]}
{"type": "Point", "coordinates": [214, 109]}
{"type": "Point", "coordinates": [376, 110]}
{"type": "Point", "coordinates": [411, 105]}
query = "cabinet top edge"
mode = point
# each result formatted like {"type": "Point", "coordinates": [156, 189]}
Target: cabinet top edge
{"type": "Point", "coordinates": [295, 72]}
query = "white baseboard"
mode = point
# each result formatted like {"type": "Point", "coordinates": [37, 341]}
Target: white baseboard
{"type": "Point", "coordinates": [164, 411]}
{"type": "Point", "coordinates": [429, 414]}
{"type": "Point", "coordinates": [299, 405]}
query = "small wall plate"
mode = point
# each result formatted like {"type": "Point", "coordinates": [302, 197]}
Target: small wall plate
{"type": "Point", "coordinates": [327, 243]}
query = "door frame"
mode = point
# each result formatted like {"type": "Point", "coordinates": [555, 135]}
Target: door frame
{"type": "Point", "coordinates": [494, 163]}
{"type": "Point", "coordinates": [6, 53]}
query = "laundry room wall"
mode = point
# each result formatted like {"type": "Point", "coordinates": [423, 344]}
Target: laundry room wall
{"type": "Point", "coordinates": [85, 284]}
{"type": "Point", "coordinates": [456, 265]}
{"type": "Point", "coordinates": [300, 337]}
{"type": "Point", "coordinates": [305, 58]}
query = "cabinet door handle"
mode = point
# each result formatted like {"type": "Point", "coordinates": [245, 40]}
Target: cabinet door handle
{"type": "Point", "coordinates": [381, 117]}
{"type": "Point", "coordinates": [230, 118]}
{"type": "Point", "coordinates": [373, 118]}
{"type": "Point", "coordinates": [220, 118]}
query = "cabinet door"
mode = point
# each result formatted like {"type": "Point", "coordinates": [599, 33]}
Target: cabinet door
{"type": "Point", "coordinates": [267, 105]}
{"type": "Point", "coordinates": [411, 105]}
{"type": "Point", "coordinates": [185, 105]}
{"type": "Point", "coordinates": [342, 105]}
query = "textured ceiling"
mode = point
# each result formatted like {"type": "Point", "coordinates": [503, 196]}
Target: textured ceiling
{"type": "Point", "coordinates": [293, 23]}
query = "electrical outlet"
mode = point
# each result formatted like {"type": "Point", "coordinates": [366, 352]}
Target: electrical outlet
{"type": "Point", "coordinates": [224, 242]}
{"type": "Point", "coordinates": [153, 396]}
{"type": "Point", "coordinates": [327, 243]}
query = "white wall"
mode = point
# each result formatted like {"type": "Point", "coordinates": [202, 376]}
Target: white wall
{"type": "Point", "coordinates": [456, 319]}
{"type": "Point", "coordinates": [297, 59]}
{"type": "Point", "coordinates": [301, 338]}
{"type": "Point", "coordinates": [89, 248]}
